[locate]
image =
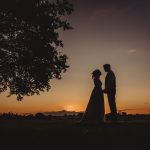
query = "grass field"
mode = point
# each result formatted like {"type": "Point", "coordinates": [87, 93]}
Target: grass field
{"type": "Point", "coordinates": [38, 134]}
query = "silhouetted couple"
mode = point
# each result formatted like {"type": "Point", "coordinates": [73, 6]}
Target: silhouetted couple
{"type": "Point", "coordinates": [95, 111]}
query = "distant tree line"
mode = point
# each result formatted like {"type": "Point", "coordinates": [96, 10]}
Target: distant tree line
{"type": "Point", "coordinates": [41, 116]}
{"type": "Point", "coordinates": [37, 116]}
{"type": "Point", "coordinates": [123, 116]}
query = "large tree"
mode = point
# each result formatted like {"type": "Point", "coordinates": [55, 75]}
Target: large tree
{"type": "Point", "coordinates": [30, 46]}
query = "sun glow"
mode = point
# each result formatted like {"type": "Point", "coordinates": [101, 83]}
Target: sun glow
{"type": "Point", "coordinates": [70, 108]}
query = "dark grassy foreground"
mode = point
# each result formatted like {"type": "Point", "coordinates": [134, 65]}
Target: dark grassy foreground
{"type": "Point", "coordinates": [25, 135]}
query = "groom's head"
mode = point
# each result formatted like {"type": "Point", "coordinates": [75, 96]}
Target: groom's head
{"type": "Point", "coordinates": [107, 67]}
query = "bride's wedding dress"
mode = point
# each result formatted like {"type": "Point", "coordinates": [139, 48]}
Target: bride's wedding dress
{"type": "Point", "coordinates": [95, 110]}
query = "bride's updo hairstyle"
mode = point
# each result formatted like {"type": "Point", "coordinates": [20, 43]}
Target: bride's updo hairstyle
{"type": "Point", "coordinates": [96, 73]}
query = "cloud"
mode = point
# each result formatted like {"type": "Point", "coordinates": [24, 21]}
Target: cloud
{"type": "Point", "coordinates": [146, 103]}
{"type": "Point", "coordinates": [102, 13]}
{"type": "Point", "coordinates": [105, 9]}
{"type": "Point", "coordinates": [122, 110]}
{"type": "Point", "coordinates": [132, 51]}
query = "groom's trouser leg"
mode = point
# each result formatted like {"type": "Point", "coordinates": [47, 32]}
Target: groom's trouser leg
{"type": "Point", "coordinates": [112, 105]}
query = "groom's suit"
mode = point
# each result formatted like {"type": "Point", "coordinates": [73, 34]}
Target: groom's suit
{"type": "Point", "coordinates": [110, 89]}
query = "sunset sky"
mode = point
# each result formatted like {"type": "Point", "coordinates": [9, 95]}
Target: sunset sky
{"type": "Point", "coordinates": [105, 31]}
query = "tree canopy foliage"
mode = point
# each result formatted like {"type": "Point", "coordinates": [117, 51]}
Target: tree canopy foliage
{"type": "Point", "coordinates": [29, 44]}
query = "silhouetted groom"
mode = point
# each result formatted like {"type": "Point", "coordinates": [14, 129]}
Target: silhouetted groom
{"type": "Point", "coordinates": [110, 90]}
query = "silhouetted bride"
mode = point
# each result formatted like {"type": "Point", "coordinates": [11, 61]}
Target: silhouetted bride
{"type": "Point", "coordinates": [95, 110]}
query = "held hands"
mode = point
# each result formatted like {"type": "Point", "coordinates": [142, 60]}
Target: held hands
{"type": "Point", "coordinates": [105, 91]}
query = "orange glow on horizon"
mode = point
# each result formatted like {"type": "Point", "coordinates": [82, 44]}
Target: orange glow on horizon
{"type": "Point", "coordinates": [44, 103]}
{"type": "Point", "coordinates": [68, 106]}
